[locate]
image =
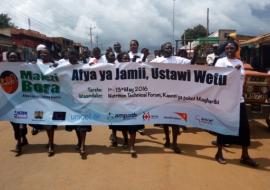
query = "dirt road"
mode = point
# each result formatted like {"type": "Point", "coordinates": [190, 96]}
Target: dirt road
{"type": "Point", "coordinates": [155, 167]}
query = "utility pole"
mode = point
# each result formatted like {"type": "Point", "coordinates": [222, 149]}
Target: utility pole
{"type": "Point", "coordinates": [184, 38]}
{"type": "Point", "coordinates": [173, 22]}
{"type": "Point", "coordinates": [91, 36]}
{"type": "Point", "coordinates": [97, 39]}
{"type": "Point", "coordinates": [29, 24]}
{"type": "Point", "coordinates": [207, 21]}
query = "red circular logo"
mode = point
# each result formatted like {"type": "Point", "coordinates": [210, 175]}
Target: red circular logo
{"type": "Point", "coordinates": [9, 82]}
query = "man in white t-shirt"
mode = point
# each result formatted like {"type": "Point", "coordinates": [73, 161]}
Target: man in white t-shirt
{"type": "Point", "coordinates": [97, 58]}
{"type": "Point", "coordinates": [168, 56]}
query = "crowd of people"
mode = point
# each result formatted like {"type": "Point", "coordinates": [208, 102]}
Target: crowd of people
{"type": "Point", "coordinates": [116, 55]}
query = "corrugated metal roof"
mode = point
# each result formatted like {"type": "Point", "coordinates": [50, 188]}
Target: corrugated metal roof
{"type": "Point", "coordinates": [257, 40]}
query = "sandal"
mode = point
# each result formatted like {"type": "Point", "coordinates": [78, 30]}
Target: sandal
{"type": "Point", "coordinates": [220, 159]}
{"type": "Point", "coordinates": [83, 154]}
{"type": "Point", "coordinates": [51, 151]}
{"type": "Point", "coordinates": [24, 142]}
{"type": "Point", "coordinates": [167, 144]}
{"type": "Point", "coordinates": [125, 145]}
{"type": "Point", "coordinates": [114, 143]}
{"type": "Point", "coordinates": [133, 153]}
{"type": "Point", "coordinates": [249, 162]}
{"type": "Point", "coordinates": [176, 149]}
{"type": "Point", "coordinates": [18, 150]}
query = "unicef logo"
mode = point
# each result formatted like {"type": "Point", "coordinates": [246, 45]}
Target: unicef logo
{"type": "Point", "coordinates": [9, 82]}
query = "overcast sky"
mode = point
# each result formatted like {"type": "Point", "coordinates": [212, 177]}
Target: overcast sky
{"type": "Point", "coordinates": [149, 21]}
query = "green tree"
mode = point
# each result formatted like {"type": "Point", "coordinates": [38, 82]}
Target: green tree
{"type": "Point", "coordinates": [191, 34]}
{"type": "Point", "coordinates": [5, 21]}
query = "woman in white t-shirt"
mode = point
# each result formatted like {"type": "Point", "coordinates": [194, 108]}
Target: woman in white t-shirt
{"type": "Point", "coordinates": [81, 130]}
{"type": "Point", "coordinates": [244, 134]}
{"type": "Point", "coordinates": [20, 129]}
{"type": "Point", "coordinates": [46, 60]}
{"type": "Point", "coordinates": [134, 54]}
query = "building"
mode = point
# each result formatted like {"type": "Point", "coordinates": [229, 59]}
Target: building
{"type": "Point", "coordinates": [26, 41]}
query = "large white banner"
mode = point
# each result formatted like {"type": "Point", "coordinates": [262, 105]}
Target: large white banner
{"type": "Point", "coordinates": [122, 94]}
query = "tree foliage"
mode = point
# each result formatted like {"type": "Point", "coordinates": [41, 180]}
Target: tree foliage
{"type": "Point", "coordinates": [5, 21]}
{"type": "Point", "coordinates": [191, 34]}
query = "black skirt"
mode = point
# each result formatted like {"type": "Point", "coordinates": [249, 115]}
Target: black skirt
{"type": "Point", "coordinates": [244, 134]}
{"type": "Point", "coordinates": [41, 126]}
{"type": "Point", "coordinates": [129, 128]}
{"type": "Point", "coordinates": [82, 128]}
{"type": "Point", "coordinates": [20, 130]}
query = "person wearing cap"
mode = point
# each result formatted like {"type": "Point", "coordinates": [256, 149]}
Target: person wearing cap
{"type": "Point", "coordinates": [44, 58]}
{"type": "Point", "coordinates": [39, 48]}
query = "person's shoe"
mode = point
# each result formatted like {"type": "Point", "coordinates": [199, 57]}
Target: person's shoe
{"type": "Point", "coordinates": [34, 131]}
{"type": "Point", "coordinates": [220, 159]}
{"type": "Point", "coordinates": [51, 151]}
{"type": "Point", "coordinates": [141, 131]}
{"type": "Point", "coordinates": [77, 147]}
{"type": "Point", "coordinates": [249, 162]}
{"type": "Point", "coordinates": [24, 141]}
{"type": "Point", "coordinates": [125, 145]}
{"type": "Point", "coordinates": [167, 144]}
{"type": "Point", "coordinates": [83, 154]}
{"type": "Point", "coordinates": [112, 137]}
{"type": "Point", "coordinates": [133, 153]}
{"type": "Point", "coordinates": [214, 143]}
{"type": "Point", "coordinates": [184, 128]}
{"type": "Point", "coordinates": [114, 143]}
{"type": "Point", "coordinates": [18, 150]}
{"type": "Point", "coordinates": [226, 145]}
{"type": "Point", "coordinates": [176, 149]}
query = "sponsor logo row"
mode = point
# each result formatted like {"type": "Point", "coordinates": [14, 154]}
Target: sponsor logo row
{"type": "Point", "coordinates": [38, 115]}
{"type": "Point", "coordinates": [61, 116]}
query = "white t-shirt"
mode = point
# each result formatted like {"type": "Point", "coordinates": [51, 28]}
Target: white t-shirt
{"type": "Point", "coordinates": [210, 58]}
{"type": "Point", "coordinates": [116, 54]}
{"type": "Point", "coordinates": [131, 55]}
{"type": "Point", "coordinates": [62, 61]}
{"type": "Point", "coordinates": [100, 60]}
{"type": "Point", "coordinates": [232, 63]}
{"type": "Point", "coordinates": [171, 59]}
{"type": "Point", "coordinates": [45, 67]}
